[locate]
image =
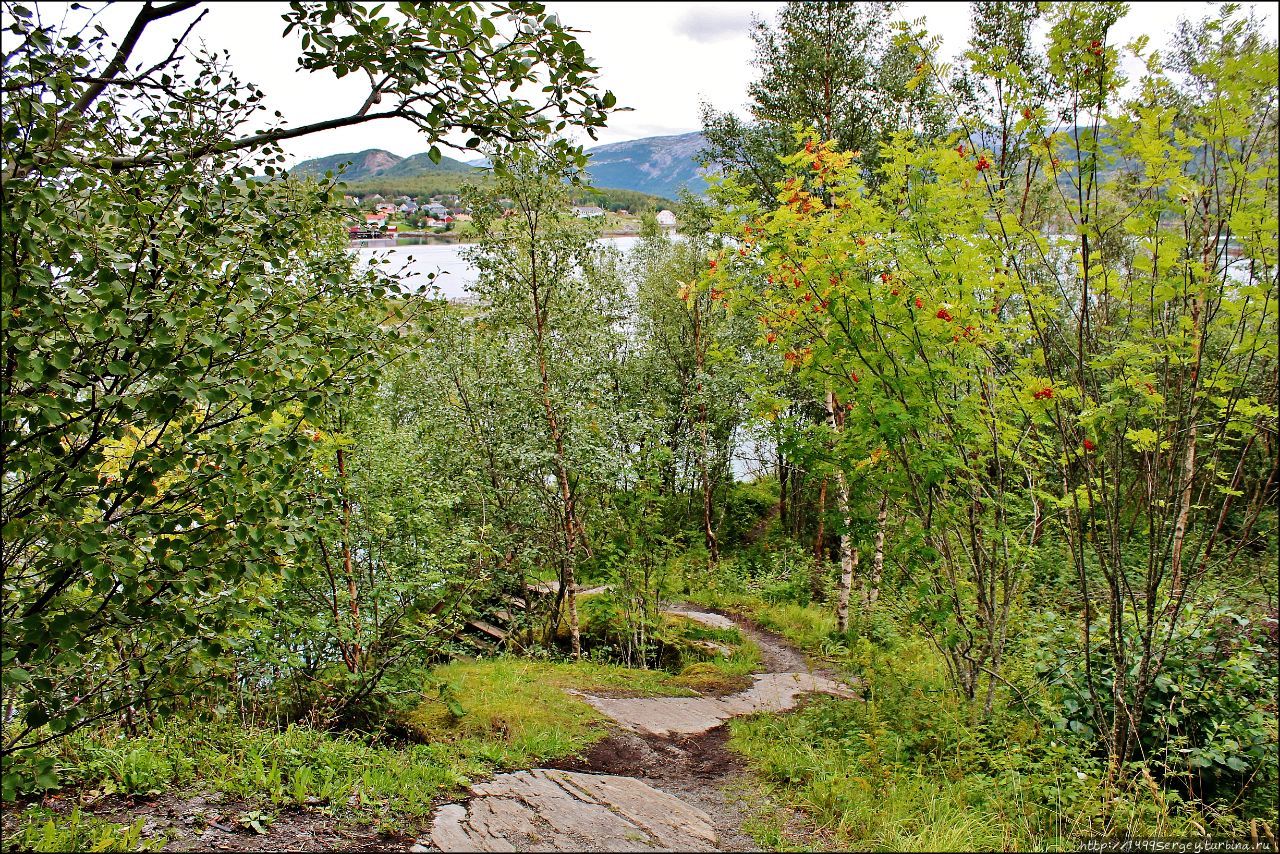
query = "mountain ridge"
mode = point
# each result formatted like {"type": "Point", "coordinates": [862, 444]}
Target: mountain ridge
{"type": "Point", "coordinates": [376, 163]}
{"type": "Point", "coordinates": [655, 165]}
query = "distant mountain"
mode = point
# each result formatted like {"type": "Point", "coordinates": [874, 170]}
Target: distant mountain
{"type": "Point", "coordinates": [656, 165]}
{"type": "Point", "coordinates": [376, 163]}
{"type": "Point", "coordinates": [660, 165]}
{"type": "Point", "coordinates": [363, 164]}
{"type": "Point", "coordinates": [420, 164]}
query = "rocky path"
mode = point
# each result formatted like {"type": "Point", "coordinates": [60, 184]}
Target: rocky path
{"type": "Point", "coordinates": [659, 783]}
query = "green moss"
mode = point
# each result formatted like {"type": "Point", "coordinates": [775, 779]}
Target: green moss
{"type": "Point", "coordinates": [517, 711]}
{"type": "Point", "coordinates": [709, 678]}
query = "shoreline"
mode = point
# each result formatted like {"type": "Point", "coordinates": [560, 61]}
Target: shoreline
{"type": "Point", "coordinates": [427, 238]}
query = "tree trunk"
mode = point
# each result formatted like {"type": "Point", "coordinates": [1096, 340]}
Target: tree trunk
{"type": "Point", "coordinates": [1189, 458]}
{"type": "Point", "coordinates": [872, 594]}
{"type": "Point", "coordinates": [848, 568]}
{"type": "Point", "coordinates": [571, 527]}
{"type": "Point", "coordinates": [782, 489]}
{"type": "Point", "coordinates": [353, 594]}
{"type": "Point", "coordinates": [819, 546]}
{"type": "Point", "coordinates": [848, 554]}
{"type": "Point", "coordinates": [700, 353]}
{"type": "Point", "coordinates": [797, 502]}
{"type": "Point", "coordinates": [709, 531]}
{"type": "Point", "coordinates": [568, 593]}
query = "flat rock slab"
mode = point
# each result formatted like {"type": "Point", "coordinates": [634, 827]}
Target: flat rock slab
{"type": "Point", "coordinates": [665, 716]}
{"type": "Point", "coordinates": [549, 810]}
{"type": "Point", "coordinates": [715, 621]}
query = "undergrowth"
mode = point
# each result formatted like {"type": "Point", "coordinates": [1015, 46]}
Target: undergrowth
{"type": "Point", "coordinates": [911, 766]}
{"type": "Point", "coordinates": [474, 719]}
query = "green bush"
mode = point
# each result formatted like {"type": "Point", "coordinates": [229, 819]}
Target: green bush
{"type": "Point", "coordinates": [1203, 722]}
{"type": "Point", "coordinates": [45, 830]}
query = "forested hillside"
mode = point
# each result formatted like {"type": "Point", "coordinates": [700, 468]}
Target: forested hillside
{"type": "Point", "coordinates": [660, 165]}
{"type": "Point", "coordinates": [921, 494]}
{"type": "Point", "coordinates": [445, 183]}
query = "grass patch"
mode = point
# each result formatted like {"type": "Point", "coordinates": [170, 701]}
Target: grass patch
{"type": "Point", "coordinates": [812, 628]}
{"type": "Point", "coordinates": [42, 829]}
{"type": "Point", "coordinates": [707, 647]}
{"type": "Point", "coordinates": [914, 767]}
{"type": "Point", "coordinates": [708, 678]}
{"type": "Point", "coordinates": [830, 761]}
{"type": "Point", "coordinates": [807, 626]}
{"type": "Point", "coordinates": [515, 712]}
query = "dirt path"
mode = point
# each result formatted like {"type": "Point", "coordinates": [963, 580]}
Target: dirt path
{"type": "Point", "coordinates": [663, 780]}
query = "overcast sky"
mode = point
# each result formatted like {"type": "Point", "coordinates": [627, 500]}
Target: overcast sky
{"type": "Point", "coordinates": [661, 59]}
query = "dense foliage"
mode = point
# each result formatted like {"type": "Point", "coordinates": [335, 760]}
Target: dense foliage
{"type": "Point", "coordinates": [964, 379]}
{"type": "Point", "coordinates": [1016, 370]}
{"type": "Point", "coordinates": [186, 351]}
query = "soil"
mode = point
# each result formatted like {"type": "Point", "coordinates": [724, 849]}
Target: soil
{"type": "Point", "coordinates": [211, 822]}
{"type": "Point", "coordinates": [700, 769]}
{"type": "Point", "coordinates": [697, 770]}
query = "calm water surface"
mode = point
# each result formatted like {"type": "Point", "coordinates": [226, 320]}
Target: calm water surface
{"type": "Point", "coordinates": [454, 276]}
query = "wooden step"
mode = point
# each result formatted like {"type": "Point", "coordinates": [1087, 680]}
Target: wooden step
{"type": "Point", "coordinates": [504, 616]}
{"type": "Point", "coordinates": [487, 646]}
{"type": "Point", "coordinates": [492, 631]}
{"type": "Point", "coordinates": [516, 601]}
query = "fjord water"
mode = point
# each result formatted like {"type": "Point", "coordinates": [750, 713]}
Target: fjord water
{"type": "Point", "coordinates": [454, 275]}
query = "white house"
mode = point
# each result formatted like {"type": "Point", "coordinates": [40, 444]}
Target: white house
{"type": "Point", "coordinates": [588, 211]}
{"type": "Point", "coordinates": [666, 219]}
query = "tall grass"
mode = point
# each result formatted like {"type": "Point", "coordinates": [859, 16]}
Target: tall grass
{"type": "Point", "coordinates": [911, 766]}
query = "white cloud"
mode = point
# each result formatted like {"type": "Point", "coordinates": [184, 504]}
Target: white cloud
{"type": "Point", "coordinates": [713, 23]}
{"type": "Point", "coordinates": [660, 59]}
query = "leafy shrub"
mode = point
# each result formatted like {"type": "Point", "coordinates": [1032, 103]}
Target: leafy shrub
{"type": "Point", "coordinates": [745, 506]}
{"type": "Point", "coordinates": [1209, 719]}
{"type": "Point", "coordinates": [44, 830]}
{"type": "Point", "coordinates": [773, 574]}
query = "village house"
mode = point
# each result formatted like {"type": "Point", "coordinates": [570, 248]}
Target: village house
{"type": "Point", "coordinates": [588, 211]}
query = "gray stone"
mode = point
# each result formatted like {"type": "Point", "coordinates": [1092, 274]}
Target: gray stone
{"type": "Point", "coordinates": [664, 716]}
{"type": "Point", "coordinates": [549, 810]}
{"type": "Point", "coordinates": [715, 621]}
